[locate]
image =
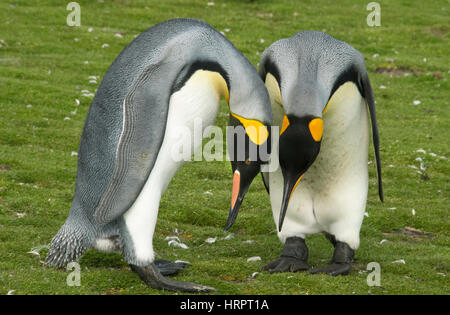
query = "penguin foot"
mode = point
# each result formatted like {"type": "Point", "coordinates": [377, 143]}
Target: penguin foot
{"type": "Point", "coordinates": [285, 264]}
{"type": "Point", "coordinates": [166, 267]}
{"type": "Point", "coordinates": [341, 264]}
{"type": "Point", "coordinates": [154, 279]}
{"type": "Point", "coordinates": [293, 258]}
{"type": "Point", "coordinates": [333, 269]}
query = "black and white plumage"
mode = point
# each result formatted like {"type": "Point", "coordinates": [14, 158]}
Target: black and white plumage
{"type": "Point", "coordinates": [320, 92]}
{"type": "Point", "coordinates": [168, 76]}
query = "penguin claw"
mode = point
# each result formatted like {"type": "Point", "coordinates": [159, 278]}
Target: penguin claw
{"type": "Point", "coordinates": [154, 279]}
{"type": "Point", "coordinates": [285, 264]}
{"type": "Point", "coordinates": [333, 269]}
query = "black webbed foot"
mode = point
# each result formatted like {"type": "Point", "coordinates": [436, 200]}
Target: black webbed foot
{"type": "Point", "coordinates": [293, 257]}
{"type": "Point", "coordinates": [341, 263]}
{"type": "Point", "coordinates": [333, 269]}
{"type": "Point", "coordinates": [154, 279]}
{"type": "Point", "coordinates": [166, 267]}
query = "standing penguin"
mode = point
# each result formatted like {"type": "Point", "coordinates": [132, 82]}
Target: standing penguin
{"type": "Point", "coordinates": [170, 75]}
{"type": "Point", "coordinates": [319, 89]}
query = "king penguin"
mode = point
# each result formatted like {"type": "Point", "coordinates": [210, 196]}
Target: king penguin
{"type": "Point", "coordinates": [166, 78]}
{"type": "Point", "coordinates": [320, 91]}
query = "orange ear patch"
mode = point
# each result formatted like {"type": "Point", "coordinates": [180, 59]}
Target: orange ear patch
{"type": "Point", "coordinates": [316, 128]}
{"type": "Point", "coordinates": [285, 124]}
{"type": "Point", "coordinates": [256, 131]}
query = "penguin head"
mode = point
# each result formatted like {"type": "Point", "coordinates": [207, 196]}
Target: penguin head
{"type": "Point", "coordinates": [299, 145]}
{"type": "Point", "coordinates": [248, 143]}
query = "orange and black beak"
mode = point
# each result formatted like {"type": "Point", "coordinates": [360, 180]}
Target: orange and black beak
{"type": "Point", "coordinates": [299, 146]}
{"type": "Point", "coordinates": [242, 178]}
{"type": "Point", "coordinates": [246, 156]}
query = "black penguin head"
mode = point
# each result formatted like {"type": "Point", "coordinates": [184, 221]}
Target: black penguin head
{"type": "Point", "coordinates": [299, 145]}
{"type": "Point", "coordinates": [248, 143]}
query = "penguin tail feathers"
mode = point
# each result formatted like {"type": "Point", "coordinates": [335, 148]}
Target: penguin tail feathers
{"type": "Point", "coordinates": [368, 95]}
{"type": "Point", "coordinates": [68, 245]}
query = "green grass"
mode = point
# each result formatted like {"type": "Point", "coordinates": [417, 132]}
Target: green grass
{"type": "Point", "coordinates": [42, 65]}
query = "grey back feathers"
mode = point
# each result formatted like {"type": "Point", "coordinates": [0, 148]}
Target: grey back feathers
{"type": "Point", "coordinates": [309, 67]}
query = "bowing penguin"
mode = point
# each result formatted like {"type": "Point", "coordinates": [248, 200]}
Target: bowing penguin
{"type": "Point", "coordinates": [320, 92]}
{"type": "Point", "coordinates": [167, 77]}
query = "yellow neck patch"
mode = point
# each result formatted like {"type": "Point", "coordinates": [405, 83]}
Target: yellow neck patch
{"type": "Point", "coordinates": [316, 128]}
{"type": "Point", "coordinates": [286, 124]}
{"type": "Point", "coordinates": [218, 82]}
{"type": "Point", "coordinates": [274, 89]}
{"type": "Point", "coordinates": [295, 186]}
{"type": "Point", "coordinates": [256, 131]}
{"type": "Point", "coordinates": [326, 108]}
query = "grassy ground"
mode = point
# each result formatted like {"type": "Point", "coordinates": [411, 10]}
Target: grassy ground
{"type": "Point", "coordinates": [45, 65]}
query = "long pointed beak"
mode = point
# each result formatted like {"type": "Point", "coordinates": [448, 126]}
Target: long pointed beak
{"type": "Point", "coordinates": [289, 188]}
{"type": "Point", "coordinates": [236, 200]}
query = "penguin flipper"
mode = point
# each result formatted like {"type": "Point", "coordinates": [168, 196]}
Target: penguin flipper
{"type": "Point", "coordinates": [145, 111]}
{"type": "Point", "coordinates": [368, 96]}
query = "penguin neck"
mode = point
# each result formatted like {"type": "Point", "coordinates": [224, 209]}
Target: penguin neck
{"type": "Point", "coordinates": [216, 80]}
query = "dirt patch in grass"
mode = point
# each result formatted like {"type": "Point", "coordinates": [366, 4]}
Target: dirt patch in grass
{"type": "Point", "coordinates": [4, 167]}
{"type": "Point", "coordinates": [438, 31]}
{"type": "Point", "coordinates": [411, 232]}
{"type": "Point", "coordinates": [397, 71]}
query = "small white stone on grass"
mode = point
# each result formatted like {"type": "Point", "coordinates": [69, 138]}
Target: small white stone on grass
{"type": "Point", "coordinates": [211, 240]}
{"type": "Point", "coordinates": [228, 237]}
{"type": "Point", "coordinates": [254, 258]}
{"type": "Point", "coordinates": [33, 252]}
{"type": "Point", "coordinates": [413, 212]}
{"type": "Point", "coordinates": [169, 238]}
{"type": "Point", "coordinates": [417, 102]}
{"type": "Point", "coordinates": [399, 261]}
{"type": "Point", "coordinates": [177, 244]}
